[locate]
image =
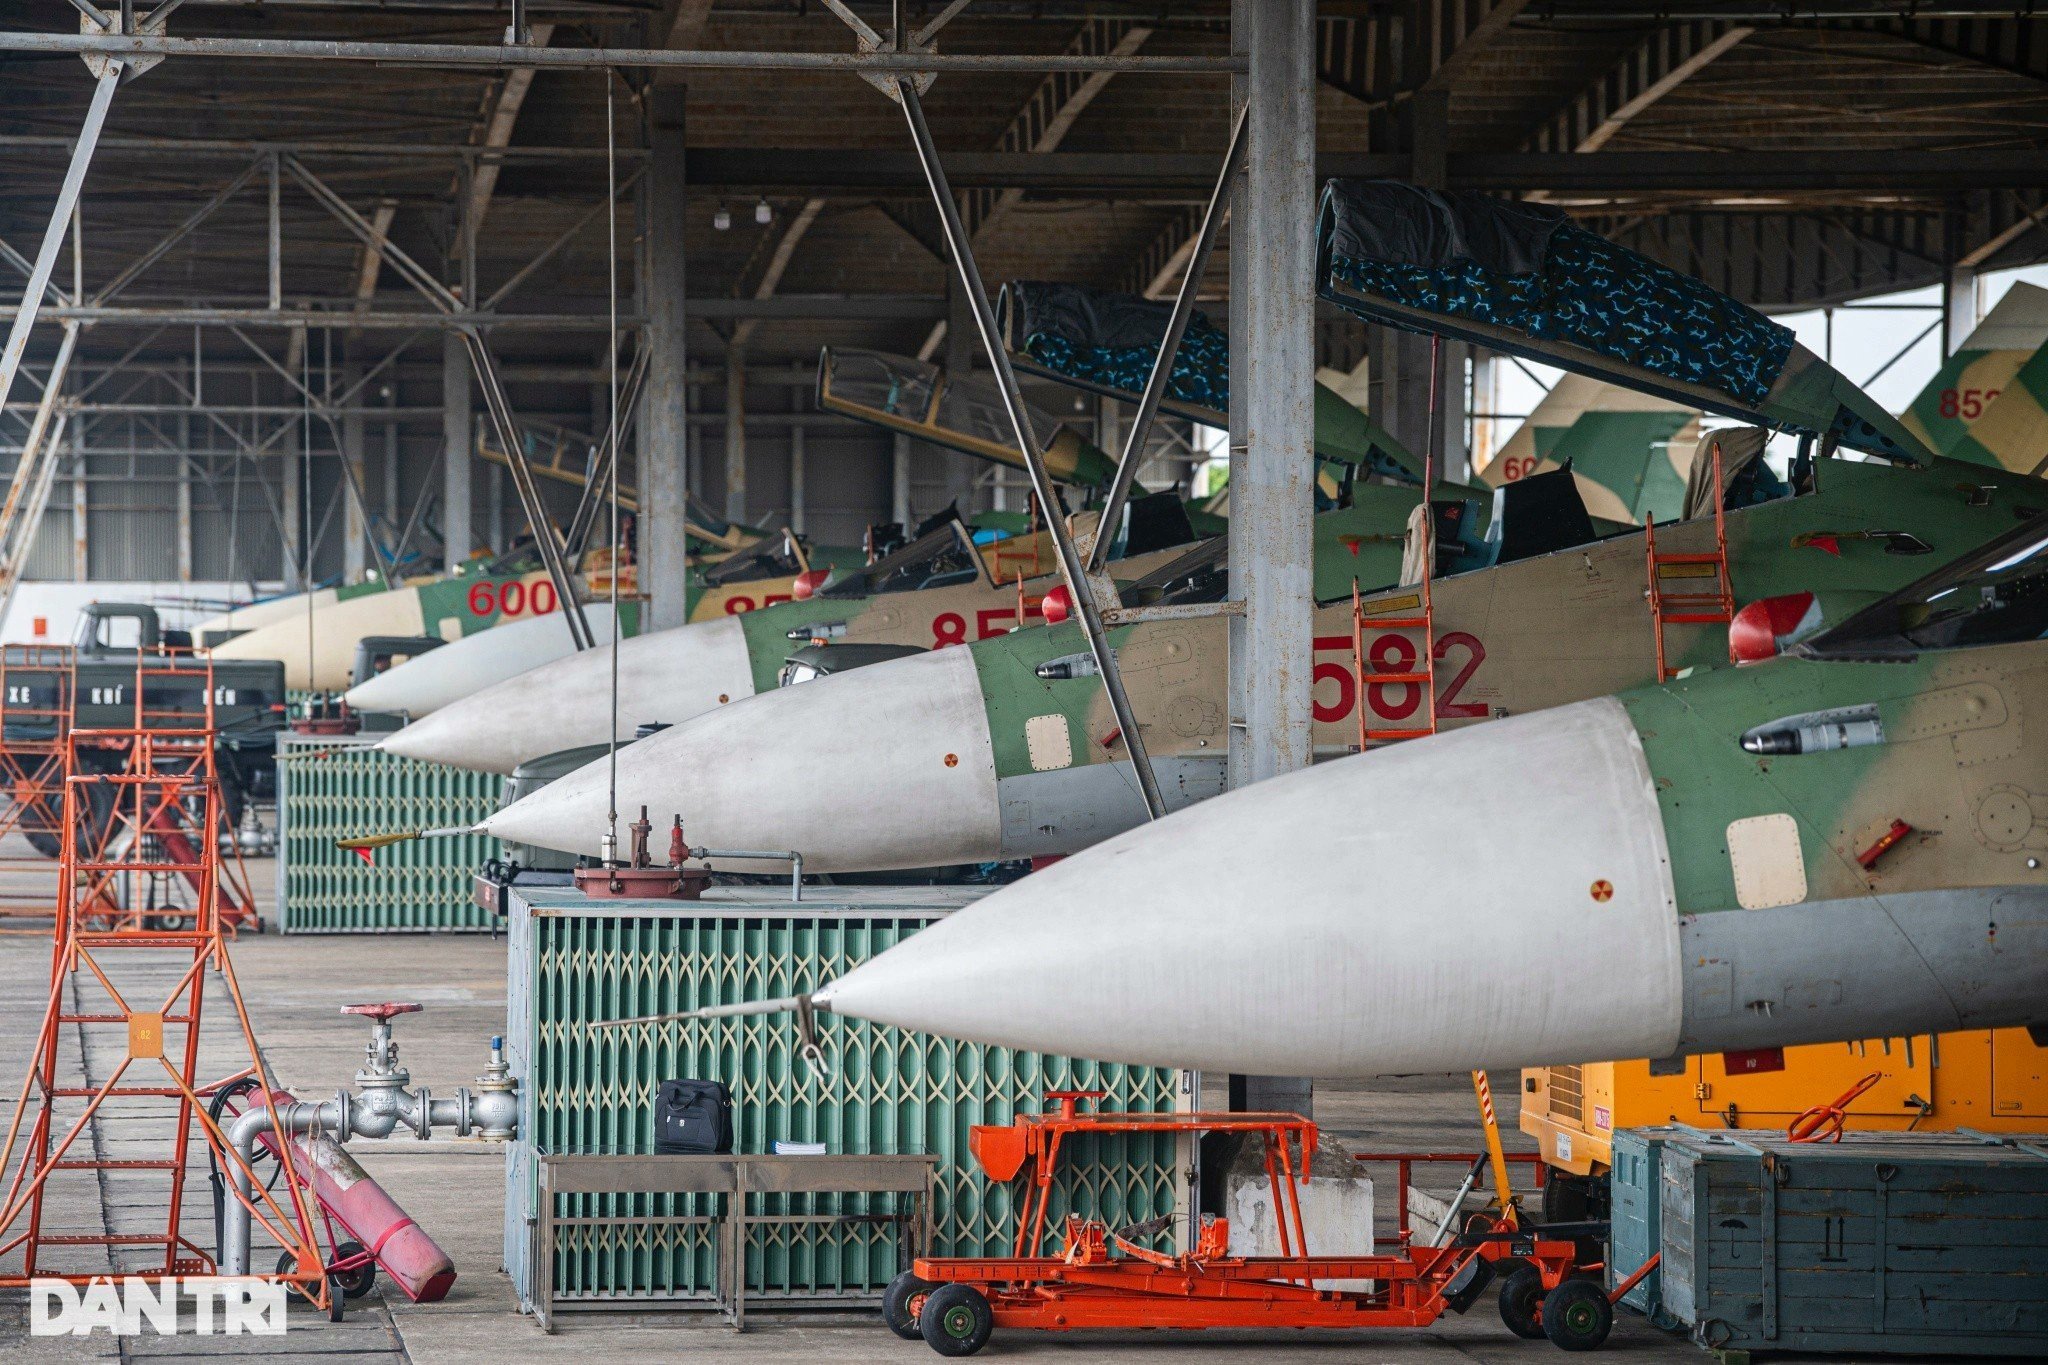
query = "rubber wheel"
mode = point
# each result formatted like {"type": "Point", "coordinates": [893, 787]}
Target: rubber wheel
{"type": "Point", "coordinates": [1520, 1295]}
{"type": "Point", "coordinates": [360, 1281]}
{"type": "Point", "coordinates": [956, 1320]}
{"type": "Point", "coordinates": [286, 1263]}
{"type": "Point", "coordinates": [1577, 1316]}
{"type": "Point", "coordinates": [1567, 1198]}
{"type": "Point", "coordinates": [336, 1300]}
{"type": "Point", "coordinates": [901, 1303]}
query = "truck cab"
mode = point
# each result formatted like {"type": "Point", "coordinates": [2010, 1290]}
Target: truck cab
{"type": "Point", "coordinates": [117, 630]}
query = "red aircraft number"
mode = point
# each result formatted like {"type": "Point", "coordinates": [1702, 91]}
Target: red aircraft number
{"type": "Point", "coordinates": [1394, 652]}
{"type": "Point", "coordinates": [1968, 404]}
{"type": "Point", "coordinates": [512, 599]}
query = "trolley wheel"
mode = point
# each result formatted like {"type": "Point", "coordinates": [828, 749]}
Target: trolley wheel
{"type": "Point", "coordinates": [286, 1263]}
{"type": "Point", "coordinates": [902, 1301]}
{"type": "Point", "coordinates": [1521, 1296]}
{"type": "Point", "coordinates": [337, 1301]}
{"type": "Point", "coordinates": [361, 1280]}
{"type": "Point", "coordinates": [956, 1320]}
{"type": "Point", "coordinates": [1577, 1316]}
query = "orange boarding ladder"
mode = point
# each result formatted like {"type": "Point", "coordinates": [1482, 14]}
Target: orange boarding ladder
{"type": "Point", "coordinates": [1422, 673]}
{"type": "Point", "coordinates": [137, 984]}
{"type": "Point", "coordinates": [37, 685]}
{"type": "Point", "coordinates": [1693, 607]}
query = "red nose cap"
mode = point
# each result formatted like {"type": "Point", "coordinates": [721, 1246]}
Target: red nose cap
{"type": "Point", "coordinates": [1765, 627]}
{"type": "Point", "coordinates": [1058, 605]}
{"type": "Point", "coordinates": [805, 585]}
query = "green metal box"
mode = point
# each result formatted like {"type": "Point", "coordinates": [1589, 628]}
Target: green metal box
{"type": "Point", "coordinates": [1635, 1230]}
{"type": "Point", "coordinates": [576, 961]}
{"type": "Point", "coordinates": [330, 787]}
{"type": "Point", "coordinates": [1906, 1243]}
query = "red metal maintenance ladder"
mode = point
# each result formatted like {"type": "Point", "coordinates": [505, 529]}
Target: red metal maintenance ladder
{"type": "Point", "coordinates": [37, 687]}
{"type": "Point", "coordinates": [1693, 606]}
{"type": "Point", "coordinates": [138, 979]}
{"type": "Point", "coordinates": [1421, 672]}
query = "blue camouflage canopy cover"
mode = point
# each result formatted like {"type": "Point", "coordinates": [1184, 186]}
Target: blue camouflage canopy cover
{"type": "Point", "coordinates": [1527, 268]}
{"type": "Point", "coordinates": [1109, 341]}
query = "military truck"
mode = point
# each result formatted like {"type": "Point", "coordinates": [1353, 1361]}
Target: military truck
{"type": "Point", "coordinates": [111, 640]}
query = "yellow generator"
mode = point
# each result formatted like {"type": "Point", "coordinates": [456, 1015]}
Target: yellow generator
{"type": "Point", "coordinates": [1995, 1082]}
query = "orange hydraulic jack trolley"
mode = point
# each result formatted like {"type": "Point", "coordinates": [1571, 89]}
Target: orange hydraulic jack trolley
{"type": "Point", "coordinates": [1105, 1279]}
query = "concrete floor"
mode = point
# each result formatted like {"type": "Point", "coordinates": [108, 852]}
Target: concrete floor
{"type": "Point", "coordinates": [295, 988]}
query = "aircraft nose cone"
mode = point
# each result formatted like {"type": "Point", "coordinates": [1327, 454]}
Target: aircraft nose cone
{"type": "Point", "coordinates": [441, 677]}
{"type": "Point", "coordinates": [1336, 922]}
{"type": "Point", "coordinates": [887, 766]}
{"type": "Point", "coordinates": [669, 676]}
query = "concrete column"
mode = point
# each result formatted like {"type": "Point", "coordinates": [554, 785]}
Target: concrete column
{"type": "Point", "coordinates": [355, 525]}
{"type": "Point", "coordinates": [184, 491]}
{"type": "Point", "coordinates": [664, 492]}
{"type": "Point", "coordinates": [458, 449]}
{"type": "Point", "coordinates": [494, 493]}
{"type": "Point", "coordinates": [797, 475]}
{"type": "Point", "coordinates": [291, 504]}
{"type": "Point", "coordinates": [735, 434]}
{"type": "Point", "coordinates": [1272, 413]}
{"type": "Point", "coordinates": [899, 483]}
{"type": "Point", "coordinates": [81, 505]}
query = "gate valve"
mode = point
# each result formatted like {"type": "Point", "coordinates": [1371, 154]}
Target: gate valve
{"type": "Point", "coordinates": [380, 1058]}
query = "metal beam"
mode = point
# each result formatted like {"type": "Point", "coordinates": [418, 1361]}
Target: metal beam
{"type": "Point", "coordinates": [59, 225]}
{"type": "Point", "coordinates": [495, 123]}
{"type": "Point", "coordinates": [458, 446]}
{"type": "Point", "coordinates": [1169, 346]}
{"type": "Point", "coordinates": [596, 58]}
{"type": "Point", "coordinates": [340, 313]}
{"type": "Point", "coordinates": [1185, 177]}
{"type": "Point", "coordinates": [1670, 56]}
{"type": "Point", "coordinates": [1458, 50]}
{"type": "Point", "coordinates": [1039, 126]}
{"type": "Point", "coordinates": [1079, 585]}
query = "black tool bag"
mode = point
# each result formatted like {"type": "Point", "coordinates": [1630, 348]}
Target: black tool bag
{"type": "Point", "coordinates": [692, 1116]}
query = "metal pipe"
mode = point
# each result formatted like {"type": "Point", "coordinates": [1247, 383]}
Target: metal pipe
{"type": "Point", "coordinates": [339, 316]}
{"type": "Point", "coordinates": [1169, 345]}
{"type": "Point", "coordinates": [598, 58]}
{"type": "Point", "coordinates": [791, 856]}
{"type": "Point", "coordinates": [1071, 567]}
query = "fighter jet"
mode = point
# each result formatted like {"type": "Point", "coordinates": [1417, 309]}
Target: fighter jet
{"type": "Point", "coordinates": [1630, 451]}
{"type": "Point", "coordinates": [673, 675]}
{"type": "Point", "coordinates": [1971, 381]}
{"type": "Point", "coordinates": [941, 589]}
{"type": "Point", "coordinates": [1010, 751]}
{"type": "Point", "coordinates": [1844, 843]}
{"type": "Point", "coordinates": [737, 567]}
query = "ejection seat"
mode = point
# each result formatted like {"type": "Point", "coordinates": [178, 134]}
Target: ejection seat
{"type": "Point", "coordinates": [1746, 479]}
{"type": "Point", "coordinates": [1531, 516]}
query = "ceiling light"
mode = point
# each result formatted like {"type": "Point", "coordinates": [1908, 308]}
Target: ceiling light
{"type": "Point", "coordinates": [763, 214]}
{"type": "Point", "coordinates": [722, 219]}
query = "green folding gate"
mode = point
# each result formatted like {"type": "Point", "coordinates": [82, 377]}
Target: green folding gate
{"type": "Point", "coordinates": [332, 786]}
{"type": "Point", "coordinates": [585, 1090]}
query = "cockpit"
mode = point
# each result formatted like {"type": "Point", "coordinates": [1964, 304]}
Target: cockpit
{"type": "Point", "coordinates": [939, 558]}
{"type": "Point", "coordinates": [1996, 595]}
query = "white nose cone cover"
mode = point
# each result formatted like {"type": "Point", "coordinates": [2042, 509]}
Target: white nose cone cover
{"type": "Point", "coordinates": [440, 677]}
{"type": "Point", "coordinates": [1333, 923]}
{"type": "Point", "coordinates": [668, 675]}
{"type": "Point", "coordinates": [888, 766]}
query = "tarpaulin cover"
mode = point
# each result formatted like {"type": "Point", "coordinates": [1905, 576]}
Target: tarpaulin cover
{"type": "Point", "coordinates": [1109, 341]}
{"type": "Point", "coordinates": [1526, 267]}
